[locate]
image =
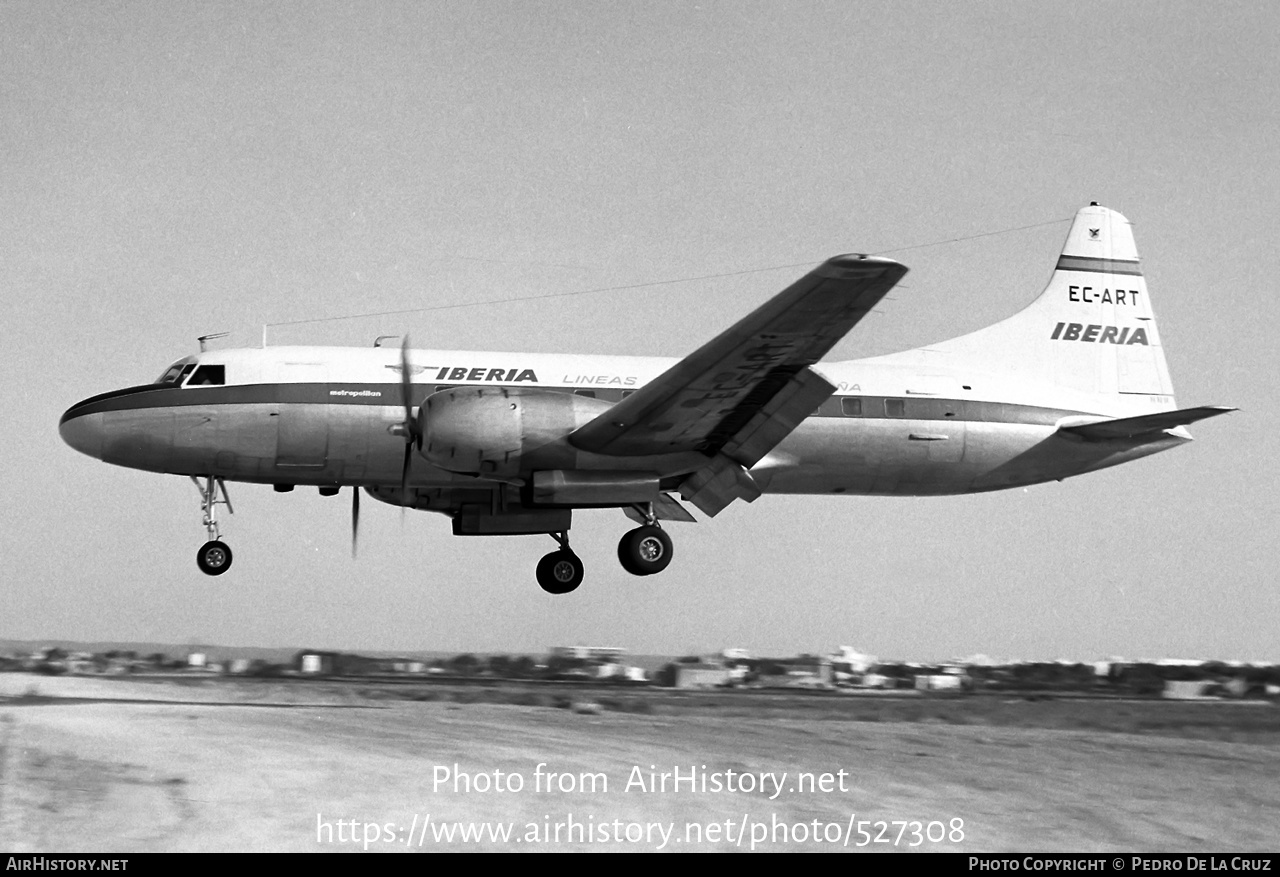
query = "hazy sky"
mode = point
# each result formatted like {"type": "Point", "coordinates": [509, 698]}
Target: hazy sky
{"type": "Point", "coordinates": [170, 170]}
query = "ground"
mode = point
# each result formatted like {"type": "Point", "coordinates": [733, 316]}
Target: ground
{"type": "Point", "coordinates": [98, 765]}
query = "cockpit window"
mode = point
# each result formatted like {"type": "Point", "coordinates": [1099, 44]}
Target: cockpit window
{"type": "Point", "coordinates": [209, 376]}
{"type": "Point", "coordinates": [176, 372]}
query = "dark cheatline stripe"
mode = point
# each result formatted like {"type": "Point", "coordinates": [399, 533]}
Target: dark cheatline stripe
{"type": "Point", "coordinates": [872, 407]}
{"type": "Point", "coordinates": [104, 401]}
{"type": "Point", "coordinates": [168, 396]}
{"type": "Point", "coordinates": [1099, 266]}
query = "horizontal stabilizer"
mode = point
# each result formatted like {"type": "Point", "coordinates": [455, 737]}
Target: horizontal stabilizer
{"type": "Point", "coordinates": [1128, 427]}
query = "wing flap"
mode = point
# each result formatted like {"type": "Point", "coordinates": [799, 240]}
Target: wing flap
{"type": "Point", "coordinates": [772, 423]}
{"type": "Point", "coordinates": [715, 486]}
{"type": "Point", "coordinates": [1131, 427]}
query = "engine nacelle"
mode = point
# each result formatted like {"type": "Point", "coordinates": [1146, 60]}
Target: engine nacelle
{"type": "Point", "coordinates": [602, 488]}
{"type": "Point", "coordinates": [501, 431]}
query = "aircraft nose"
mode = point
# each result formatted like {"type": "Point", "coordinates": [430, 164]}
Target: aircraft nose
{"type": "Point", "coordinates": [83, 432]}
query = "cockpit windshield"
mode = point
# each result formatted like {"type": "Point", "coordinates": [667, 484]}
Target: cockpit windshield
{"type": "Point", "coordinates": [209, 376]}
{"type": "Point", "coordinates": [176, 372]}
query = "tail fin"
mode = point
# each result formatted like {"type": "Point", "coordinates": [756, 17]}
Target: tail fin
{"type": "Point", "coordinates": [1092, 329]}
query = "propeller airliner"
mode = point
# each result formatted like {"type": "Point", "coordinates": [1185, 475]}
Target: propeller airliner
{"type": "Point", "coordinates": [514, 443]}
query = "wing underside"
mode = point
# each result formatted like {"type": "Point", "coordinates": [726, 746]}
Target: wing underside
{"type": "Point", "coordinates": [741, 393]}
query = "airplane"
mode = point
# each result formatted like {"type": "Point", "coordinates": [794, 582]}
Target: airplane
{"type": "Point", "coordinates": [514, 443]}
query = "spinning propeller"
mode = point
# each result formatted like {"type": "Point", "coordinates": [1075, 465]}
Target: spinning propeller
{"type": "Point", "coordinates": [409, 430]}
{"type": "Point", "coordinates": [355, 517]}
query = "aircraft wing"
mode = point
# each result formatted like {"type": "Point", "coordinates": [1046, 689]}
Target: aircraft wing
{"type": "Point", "coordinates": [743, 391]}
{"type": "Point", "coordinates": [1129, 427]}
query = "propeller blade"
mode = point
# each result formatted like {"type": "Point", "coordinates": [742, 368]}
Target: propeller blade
{"type": "Point", "coordinates": [404, 475]}
{"type": "Point", "coordinates": [355, 517]}
{"type": "Point", "coordinates": [406, 391]}
{"type": "Point", "coordinates": [410, 423]}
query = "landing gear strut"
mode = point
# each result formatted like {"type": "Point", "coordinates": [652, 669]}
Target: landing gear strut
{"type": "Point", "coordinates": [645, 550]}
{"type": "Point", "coordinates": [214, 556]}
{"type": "Point", "coordinates": [642, 552]}
{"type": "Point", "coordinates": [560, 571]}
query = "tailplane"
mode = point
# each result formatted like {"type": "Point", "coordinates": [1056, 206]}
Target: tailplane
{"type": "Point", "coordinates": [1091, 330]}
{"type": "Point", "coordinates": [1146, 424]}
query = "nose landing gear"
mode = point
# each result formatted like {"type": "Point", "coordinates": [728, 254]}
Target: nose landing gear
{"type": "Point", "coordinates": [214, 556]}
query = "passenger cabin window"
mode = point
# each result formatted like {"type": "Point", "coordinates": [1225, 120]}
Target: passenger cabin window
{"type": "Point", "coordinates": [895, 407]}
{"type": "Point", "coordinates": [590, 394]}
{"type": "Point", "coordinates": [626, 393]}
{"type": "Point", "coordinates": [209, 376]}
{"type": "Point", "coordinates": [851, 407]}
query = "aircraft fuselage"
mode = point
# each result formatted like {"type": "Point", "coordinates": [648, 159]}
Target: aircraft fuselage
{"type": "Point", "coordinates": [325, 417]}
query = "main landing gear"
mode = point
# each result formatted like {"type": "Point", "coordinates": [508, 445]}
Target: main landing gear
{"type": "Point", "coordinates": [560, 571]}
{"type": "Point", "coordinates": [645, 550]}
{"type": "Point", "coordinates": [642, 552]}
{"type": "Point", "coordinates": [214, 556]}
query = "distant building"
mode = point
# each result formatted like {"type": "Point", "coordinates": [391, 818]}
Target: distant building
{"type": "Point", "coordinates": [588, 653]}
{"type": "Point", "coordinates": [702, 676]}
{"type": "Point", "coordinates": [1190, 689]}
{"type": "Point", "coordinates": [946, 681]}
{"type": "Point", "coordinates": [83, 663]}
{"type": "Point", "coordinates": [315, 663]}
{"type": "Point", "coordinates": [1234, 687]}
{"type": "Point", "coordinates": [850, 660]}
{"type": "Point", "coordinates": [805, 671]}
{"type": "Point", "coordinates": [409, 665]}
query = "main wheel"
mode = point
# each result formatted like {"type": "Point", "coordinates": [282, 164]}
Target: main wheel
{"type": "Point", "coordinates": [214, 558]}
{"type": "Point", "coordinates": [645, 551]}
{"type": "Point", "coordinates": [560, 572]}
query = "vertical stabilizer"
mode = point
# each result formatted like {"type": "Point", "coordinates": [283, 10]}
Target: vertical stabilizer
{"type": "Point", "coordinates": [1092, 329]}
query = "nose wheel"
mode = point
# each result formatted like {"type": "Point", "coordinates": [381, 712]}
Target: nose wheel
{"type": "Point", "coordinates": [214, 556]}
{"type": "Point", "coordinates": [560, 571]}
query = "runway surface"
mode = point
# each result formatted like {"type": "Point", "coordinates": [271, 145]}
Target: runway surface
{"type": "Point", "coordinates": [95, 765]}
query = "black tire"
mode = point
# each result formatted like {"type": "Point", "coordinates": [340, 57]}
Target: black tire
{"type": "Point", "coordinates": [645, 551]}
{"type": "Point", "coordinates": [560, 572]}
{"type": "Point", "coordinates": [214, 558]}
